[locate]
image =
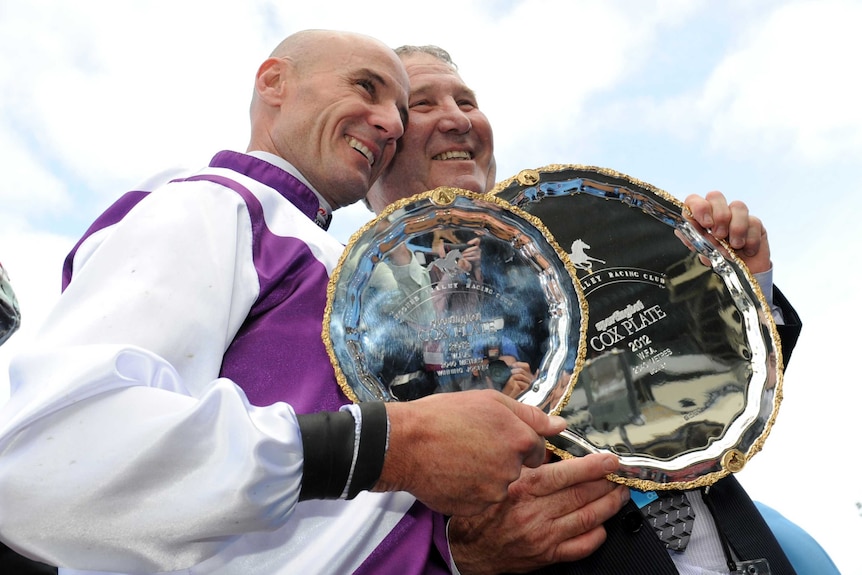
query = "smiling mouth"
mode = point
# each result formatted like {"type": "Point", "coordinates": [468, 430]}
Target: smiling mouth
{"type": "Point", "coordinates": [359, 147]}
{"type": "Point", "coordinates": [454, 155]}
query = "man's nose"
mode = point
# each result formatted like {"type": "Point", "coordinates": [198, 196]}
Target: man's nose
{"type": "Point", "coordinates": [455, 120]}
{"type": "Point", "coordinates": [388, 119]}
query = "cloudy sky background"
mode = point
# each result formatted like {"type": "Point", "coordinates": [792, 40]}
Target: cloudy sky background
{"type": "Point", "coordinates": [759, 99]}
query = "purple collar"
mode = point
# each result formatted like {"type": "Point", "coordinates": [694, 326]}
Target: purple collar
{"type": "Point", "coordinates": [276, 178]}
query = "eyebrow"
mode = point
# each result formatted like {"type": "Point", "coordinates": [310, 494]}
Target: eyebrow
{"type": "Point", "coordinates": [371, 74]}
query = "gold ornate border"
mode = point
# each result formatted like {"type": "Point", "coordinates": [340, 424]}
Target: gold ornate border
{"type": "Point", "coordinates": [442, 196]}
{"type": "Point", "coordinates": [732, 460]}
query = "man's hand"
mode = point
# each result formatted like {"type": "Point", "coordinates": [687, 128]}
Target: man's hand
{"type": "Point", "coordinates": [471, 259]}
{"type": "Point", "coordinates": [553, 514]}
{"type": "Point", "coordinates": [459, 452]}
{"type": "Point", "coordinates": [521, 377]}
{"type": "Point", "coordinates": [732, 223]}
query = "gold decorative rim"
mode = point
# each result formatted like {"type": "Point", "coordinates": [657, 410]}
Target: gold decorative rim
{"type": "Point", "coordinates": [732, 460]}
{"type": "Point", "coordinates": [444, 196]}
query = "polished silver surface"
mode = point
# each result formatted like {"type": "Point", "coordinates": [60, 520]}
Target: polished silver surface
{"type": "Point", "coordinates": [10, 315]}
{"type": "Point", "coordinates": [682, 376]}
{"type": "Point", "coordinates": [450, 291]}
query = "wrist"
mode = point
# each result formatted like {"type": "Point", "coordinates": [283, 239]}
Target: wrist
{"type": "Point", "coordinates": [404, 437]}
{"type": "Point", "coordinates": [466, 560]}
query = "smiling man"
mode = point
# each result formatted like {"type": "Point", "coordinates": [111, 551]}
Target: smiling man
{"type": "Point", "coordinates": [553, 513]}
{"type": "Point", "coordinates": [339, 120]}
{"type": "Point", "coordinates": [449, 140]}
{"type": "Point", "coordinates": [179, 411]}
{"type": "Point", "coordinates": [564, 518]}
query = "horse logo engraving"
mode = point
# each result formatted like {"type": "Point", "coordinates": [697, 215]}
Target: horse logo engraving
{"type": "Point", "coordinates": [579, 257]}
{"type": "Point", "coordinates": [449, 264]}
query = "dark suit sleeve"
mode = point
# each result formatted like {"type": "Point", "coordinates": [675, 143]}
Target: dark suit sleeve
{"type": "Point", "coordinates": [789, 332]}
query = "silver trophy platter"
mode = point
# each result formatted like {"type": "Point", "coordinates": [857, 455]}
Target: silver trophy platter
{"type": "Point", "coordinates": [683, 371]}
{"type": "Point", "coordinates": [451, 291]}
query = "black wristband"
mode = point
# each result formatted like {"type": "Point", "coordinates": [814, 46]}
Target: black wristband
{"type": "Point", "coordinates": [328, 441]}
{"type": "Point", "coordinates": [372, 447]}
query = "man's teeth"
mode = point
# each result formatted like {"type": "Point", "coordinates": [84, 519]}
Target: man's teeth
{"type": "Point", "coordinates": [455, 155]}
{"type": "Point", "coordinates": [357, 145]}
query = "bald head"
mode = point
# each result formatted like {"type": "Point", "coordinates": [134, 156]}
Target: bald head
{"type": "Point", "coordinates": [304, 47]}
{"type": "Point", "coordinates": [332, 104]}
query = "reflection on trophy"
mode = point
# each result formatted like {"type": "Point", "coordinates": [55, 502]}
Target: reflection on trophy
{"type": "Point", "coordinates": [680, 372]}
{"type": "Point", "coordinates": [439, 296]}
{"type": "Point", "coordinates": [10, 315]}
{"type": "Point", "coordinates": [574, 289]}
{"type": "Point", "coordinates": [455, 306]}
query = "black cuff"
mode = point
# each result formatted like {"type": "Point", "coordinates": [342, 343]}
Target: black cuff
{"type": "Point", "coordinates": [372, 447]}
{"type": "Point", "coordinates": [328, 440]}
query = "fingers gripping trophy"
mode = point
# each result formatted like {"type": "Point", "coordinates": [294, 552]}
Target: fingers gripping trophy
{"type": "Point", "coordinates": [575, 289]}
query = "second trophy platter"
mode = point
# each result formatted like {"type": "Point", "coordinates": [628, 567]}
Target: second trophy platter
{"type": "Point", "coordinates": [682, 376]}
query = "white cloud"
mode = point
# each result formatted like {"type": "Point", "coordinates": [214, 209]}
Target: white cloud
{"type": "Point", "coordinates": [785, 87]}
{"type": "Point", "coordinates": [29, 187]}
{"type": "Point", "coordinates": [792, 85]}
{"type": "Point", "coordinates": [549, 59]}
{"type": "Point", "coordinates": [109, 92]}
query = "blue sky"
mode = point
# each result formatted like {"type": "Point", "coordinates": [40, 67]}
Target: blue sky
{"type": "Point", "coordinates": [758, 99]}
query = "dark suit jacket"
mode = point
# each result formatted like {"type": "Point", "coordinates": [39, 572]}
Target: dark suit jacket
{"type": "Point", "coordinates": [632, 547]}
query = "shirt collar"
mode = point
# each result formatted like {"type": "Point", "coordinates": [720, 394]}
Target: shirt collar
{"type": "Point", "coordinates": [323, 215]}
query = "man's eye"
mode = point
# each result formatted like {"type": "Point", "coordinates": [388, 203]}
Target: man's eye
{"type": "Point", "coordinates": [419, 104]}
{"type": "Point", "coordinates": [367, 85]}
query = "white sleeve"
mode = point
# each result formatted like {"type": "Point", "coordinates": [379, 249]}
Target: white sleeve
{"type": "Point", "coordinates": [764, 279]}
{"type": "Point", "coordinates": [411, 284]}
{"type": "Point", "coordinates": [406, 278]}
{"type": "Point", "coordinates": [118, 429]}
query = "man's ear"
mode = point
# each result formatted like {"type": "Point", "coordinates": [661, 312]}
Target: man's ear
{"type": "Point", "coordinates": [271, 80]}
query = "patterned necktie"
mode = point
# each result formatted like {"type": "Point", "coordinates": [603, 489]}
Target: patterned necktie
{"type": "Point", "coordinates": [672, 518]}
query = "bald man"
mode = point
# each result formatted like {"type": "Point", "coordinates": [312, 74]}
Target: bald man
{"type": "Point", "coordinates": [178, 411]}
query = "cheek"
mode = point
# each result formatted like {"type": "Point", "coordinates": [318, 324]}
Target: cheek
{"type": "Point", "coordinates": [387, 156]}
{"type": "Point", "coordinates": [409, 159]}
{"type": "Point", "coordinates": [482, 126]}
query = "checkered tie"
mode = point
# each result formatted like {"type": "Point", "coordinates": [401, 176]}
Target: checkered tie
{"type": "Point", "coordinates": [672, 518]}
